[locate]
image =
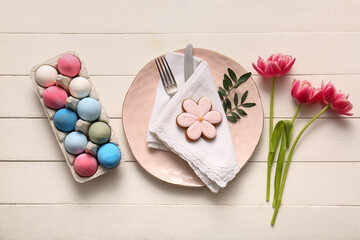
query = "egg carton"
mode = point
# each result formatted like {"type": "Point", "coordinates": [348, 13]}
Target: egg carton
{"type": "Point", "coordinates": [81, 125]}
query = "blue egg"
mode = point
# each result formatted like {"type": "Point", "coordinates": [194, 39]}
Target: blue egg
{"type": "Point", "coordinates": [109, 155]}
{"type": "Point", "coordinates": [75, 143]}
{"type": "Point", "coordinates": [65, 120]}
{"type": "Point", "coordinates": [89, 109]}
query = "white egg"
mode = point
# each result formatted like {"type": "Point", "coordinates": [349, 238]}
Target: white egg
{"type": "Point", "coordinates": [80, 87]}
{"type": "Point", "coordinates": [46, 75]}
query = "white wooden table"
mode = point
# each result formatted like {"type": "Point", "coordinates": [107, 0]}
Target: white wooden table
{"type": "Point", "coordinates": [39, 198]}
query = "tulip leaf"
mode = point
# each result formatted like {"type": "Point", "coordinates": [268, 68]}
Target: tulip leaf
{"type": "Point", "coordinates": [285, 143]}
{"type": "Point", "coordinates": [232, 75]}
{"type": "Point", "coordinates": [244, 96]}
{"type": "Point", "coordinates": [236, 99]}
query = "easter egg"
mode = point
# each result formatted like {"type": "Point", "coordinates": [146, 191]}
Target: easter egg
{"type": "Point", "coordinates": [80, 87]}
{"type": "Point", "coordinates": [99, 132]}
{"type": "Point", "coordinates": [69, 65]}
{"type": "Point", "coordinates": [46, 75]}
{"type": "Point", "coordinates": [75, 143]}
{"type": "Point", "coordinates": [55, 97]}
{"type": "Point", "coordinates": [85, 165]}
{"type": "Point", "coordinates": [109, 155]}
{"type": "Point", "coordinates": [65, 120]}
{"type": "Point", "coordinates": [89, 109]}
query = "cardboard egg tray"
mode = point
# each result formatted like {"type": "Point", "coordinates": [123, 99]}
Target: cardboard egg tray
{"type": "Point", "coordinates": [81, 125]}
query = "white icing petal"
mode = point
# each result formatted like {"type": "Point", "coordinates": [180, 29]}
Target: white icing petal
{"type": "Point", "coordinates": [194, 131]}
{"type": "Point", "coordinates": [208, 129]}
{"type": "Point", "coordinates": [191, 106]}
{"type": "Point", "coordinates": [186, 119]}
{"type": "Point", "coordinates": [213, 117]}
{"type": "Point", "coordinates": [204, 105]}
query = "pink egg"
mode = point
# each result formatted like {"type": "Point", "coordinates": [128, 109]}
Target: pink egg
{"type": "Point", "coordinates": [55, 97]}
{"type": "Point", "coordinates": [85, 165]}
{"type": "Point", "coordinates": [69, 65]}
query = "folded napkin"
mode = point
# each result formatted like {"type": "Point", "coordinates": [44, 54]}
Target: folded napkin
{"type": "Point", "coordinates": [214, 161]}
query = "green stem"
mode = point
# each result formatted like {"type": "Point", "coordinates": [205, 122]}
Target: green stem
{"type": "Point", "coordinates": [270, 133]}
{"type": "Point", "coordinates": [296, 113]}
{"type": "Point", "coordinates": [272, 108]}
{"type": "Point", "coordinates": [281, 157]}
{"type": "Point", "coordinates": [278, 203]}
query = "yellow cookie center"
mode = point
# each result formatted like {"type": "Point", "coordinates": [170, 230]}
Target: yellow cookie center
{"type": "Point", "coordinates": [200, 119]}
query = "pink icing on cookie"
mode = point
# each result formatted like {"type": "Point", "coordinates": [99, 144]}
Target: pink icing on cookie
{"type": "Point", "coordinates": [199, 119]}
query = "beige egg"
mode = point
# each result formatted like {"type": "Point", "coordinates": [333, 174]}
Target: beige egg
{"type": "Point", "coordinates": [46, 75]}
{"type": "Point", "coordinates": [80, 87]}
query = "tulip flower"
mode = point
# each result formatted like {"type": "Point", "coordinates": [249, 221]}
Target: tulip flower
{"type": "Point", "coordinates": [328, 92]}
{"type": "Point", "coordinates": [339, 103]}
{"type": "Point", "coordinates": [276, 65]}
{"type": "Point", "coordinates": [304, 93]}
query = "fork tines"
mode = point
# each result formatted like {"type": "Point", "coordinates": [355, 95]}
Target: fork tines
{"type": "Point", "coordinates": [167, 77]}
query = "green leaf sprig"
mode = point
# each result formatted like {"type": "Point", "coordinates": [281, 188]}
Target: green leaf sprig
{"type": "Point", "coordinates": [230, 83]}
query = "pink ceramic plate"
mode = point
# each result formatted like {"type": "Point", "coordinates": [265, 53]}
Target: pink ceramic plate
{"type": "Point", "coordinates": [167, 166]}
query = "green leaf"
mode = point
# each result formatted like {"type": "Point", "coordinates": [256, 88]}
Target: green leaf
{"type": "Point", "coordinates": [248, 105]}
{"type": "Point", "coordinates": [224, 106]}
{"type": "Point", "coordinates": [285, 143]}
{"type": "Point", "coordinates": [222, 91]}
{"type": "Point", "coordinates": [226, 78]}
{"type": "Point", "coordinates": [237, 85]}
{"type": "Point", "coordinates": [245, 77]}
{"type": "Point", "coordinates": [228, 81]}
{"type": "Point", "coordinates": [241, 112]}
{"type": "Point", "coordinates": [235, 115]}
{"type": "Point", "coordinates": [244, 96]}
{"type": "Point", "coordinates": [228, 103]}
{"type": "Point", "coordinates": [226, 86]}
{"type": "Point", "coordinates": [231, 119]}
{"type": "Point", "coordinates": [221, 96]}
{"type": "Point", "coordinates": [232, 75]}
{"type": "Point", "coordinates": [236, 100]}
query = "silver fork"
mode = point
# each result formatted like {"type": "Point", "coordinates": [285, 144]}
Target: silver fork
{"type": "Point", "coordinates": [167, 77]}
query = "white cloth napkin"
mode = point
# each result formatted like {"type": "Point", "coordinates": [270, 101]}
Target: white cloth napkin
{"type": "Point", "coordinates": [213, 161]}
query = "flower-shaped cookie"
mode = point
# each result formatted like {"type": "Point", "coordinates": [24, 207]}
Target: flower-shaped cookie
{"type": "Point", "coordinates": [198, 119]}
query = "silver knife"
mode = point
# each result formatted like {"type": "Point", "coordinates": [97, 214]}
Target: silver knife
{"type": "Point", "coordinates": [189, 61]}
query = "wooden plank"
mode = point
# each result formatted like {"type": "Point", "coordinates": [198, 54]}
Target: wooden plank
{"type": "Point", "coordinates": [126, 54]}
{"type": "Point", "coordinates": [43, 144]}
{"type": "Point", "coordinates": [307, 184]}
{"type": "Point", "coordinates": [314, 145]}
{"type": "Point", "coordinates": [126, 16]}
{"type": "Point", "coordinates": [177, 222]}
{"type": "Point", "coordinates": [112, 91]}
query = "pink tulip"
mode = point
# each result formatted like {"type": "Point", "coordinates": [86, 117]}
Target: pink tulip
{"type": "Point", "coordinates": [304, 93]}
{"type": "Point", "coordinates": [328, 92]}
{"type": "Point", "coordinates": [341, 104]}
{"type": "Point", "coordinates": [276, 65]}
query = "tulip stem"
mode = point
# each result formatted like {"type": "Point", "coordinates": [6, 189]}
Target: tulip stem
{"type": "Point", "coordinates": [278, 202]}
{"type": "Point", "coordinates": [280, 162]}
{"type": "Point", "coordinates": [272, 108]}
{"type": "Point", "coordinates": [270, 133]}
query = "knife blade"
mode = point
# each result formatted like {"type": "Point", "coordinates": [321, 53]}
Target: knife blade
{"type": "Point", "coordinates": [188, 61]}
